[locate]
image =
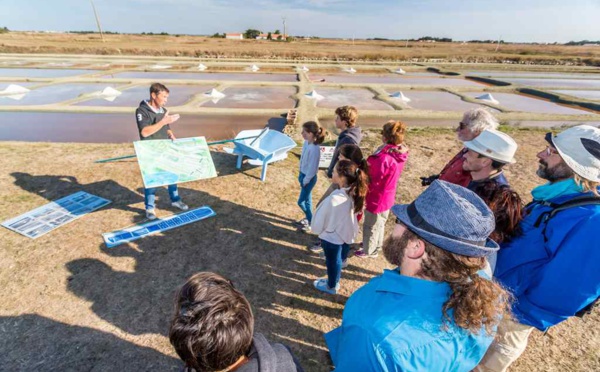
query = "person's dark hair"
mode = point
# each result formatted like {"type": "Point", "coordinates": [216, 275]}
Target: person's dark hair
{"type": "Point", "coordinates": [157, 88]}
{"type": "Point", "coordinates": [475, 302]}
{"type": "Point", "coordinates": [497, 165]}
{"type": "Point", "coordinates": [354, 154]}
{"type": "Point", "coordinates": [213, 323]}
{"type": "Point", "coordinates": [393, 132]}
{"type": "Point", "coordinates": [358, 182]}
{"type": "Point", "coordinates": [349, 114]}
{"type": "Point", "coordinates": [316, 130]}
{"type": "Point", "coordinates": [507, 207]}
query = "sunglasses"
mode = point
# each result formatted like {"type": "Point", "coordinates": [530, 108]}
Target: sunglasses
{"type": "Point", "coordinates": [550, 151]}
{"type": "Point", "coordinates": [462, 126]}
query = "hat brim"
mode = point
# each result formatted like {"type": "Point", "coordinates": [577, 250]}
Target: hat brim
{"type": "Point", "coordinates": [473, 147]}
{"type": "Point", "coordinates": [447, 244]}
{"type": "Point", "coordinates": [572, 163]}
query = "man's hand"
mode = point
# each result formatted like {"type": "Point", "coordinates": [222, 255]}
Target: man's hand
{"type": "Point", "coordinates": [170, 119]}
{"type": "Point", "coordinates": [426, 181]}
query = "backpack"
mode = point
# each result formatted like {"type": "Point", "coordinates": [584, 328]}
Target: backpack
{"type": "Point", "coordinates": [547, 216]}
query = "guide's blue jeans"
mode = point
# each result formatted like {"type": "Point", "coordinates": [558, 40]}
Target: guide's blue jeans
{"type": "Point", "coordinates": [150, 196]}
{"type": "Point", "coordinates": [305, 198]}
{"type": "Point", "coordinates": [335, 254]}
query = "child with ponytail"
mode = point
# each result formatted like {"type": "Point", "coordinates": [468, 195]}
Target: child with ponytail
{"type": "Point", "coordinates": [385, 168]}
{"type": "Point", "coordinates": [335, 221]}
{"type": "Point", "coordinates": [313, 136]}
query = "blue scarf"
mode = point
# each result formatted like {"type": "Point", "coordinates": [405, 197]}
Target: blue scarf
{"type": "Point", "coordinates": [552, 190]}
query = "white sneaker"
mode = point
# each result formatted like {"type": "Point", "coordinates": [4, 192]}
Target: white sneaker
{"type": "Point", "coordinates": [321, 285]}
{"type": "Point", "coordinates": [181, 205]}
{"type": "Point", "coordinates": [150, 214]}
{"type": "Point", "coordinates": [316, 248]}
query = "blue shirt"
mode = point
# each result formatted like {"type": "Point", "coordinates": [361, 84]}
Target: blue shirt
{"type": "Point", "coordinates": [395, 323]}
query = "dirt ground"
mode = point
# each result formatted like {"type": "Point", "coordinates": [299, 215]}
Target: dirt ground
{"type": "Point", "coordinates": [319, 49]}
{"type": "Point", "coordinates": [71, 304]}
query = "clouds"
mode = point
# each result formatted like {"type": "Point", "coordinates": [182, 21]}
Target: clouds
{"type": "Point", "coordinates": [514, 20]}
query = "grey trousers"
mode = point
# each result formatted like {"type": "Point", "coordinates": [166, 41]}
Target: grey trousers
{"type": "Point", "coordinates": [373, 231]}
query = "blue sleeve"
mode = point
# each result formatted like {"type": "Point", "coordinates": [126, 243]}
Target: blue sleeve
{"type": "Point", "coordinates": [352, 349]}
{"type": "Point", "coordinates": [567, 283]}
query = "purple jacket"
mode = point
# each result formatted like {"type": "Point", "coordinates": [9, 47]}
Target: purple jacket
{"type": "Point", "coordinates": [385, 168]}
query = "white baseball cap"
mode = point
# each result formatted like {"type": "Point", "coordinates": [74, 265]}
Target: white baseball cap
{"type": "Point", "coordinates": [495, 145]}
{"type": "Point", "coordinates": [579, 147]}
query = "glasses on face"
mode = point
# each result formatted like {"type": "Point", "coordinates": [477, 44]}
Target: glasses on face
{"type": "Point", "coordinates": [462, 126]}
{"type": "Point", "coordinates": [550, 151]}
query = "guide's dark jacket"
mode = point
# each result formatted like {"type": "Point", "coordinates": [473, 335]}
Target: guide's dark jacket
{"type": "Point", "coordinates": [267, 357]}
{"type": "Point", "coordinates": [145, 116]}
{"type": "Point", "coordinates": [353, 136]}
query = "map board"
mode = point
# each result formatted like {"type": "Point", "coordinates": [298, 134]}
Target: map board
{"type": "Point", "coordinates": [48, 217]}
{"type": "Point", "coordinates": [166, 162]}
{"type": "Point", "coordinates": [115, 238]}
{"type": "Point", "coordinates": [326, 156]}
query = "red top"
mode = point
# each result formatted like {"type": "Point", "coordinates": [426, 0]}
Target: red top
{"type": "Point", "coordinates": [454, 173]}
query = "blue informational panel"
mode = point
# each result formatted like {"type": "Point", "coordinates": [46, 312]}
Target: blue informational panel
{"type": "Point", "coordinates": [46, 218]}
{"type": "Point", "coordinates": [115, 238]}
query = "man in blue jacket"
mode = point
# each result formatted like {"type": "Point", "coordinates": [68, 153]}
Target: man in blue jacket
{"type": "Point", "coordinates": [434, 312]}
{"type": "Point", "coordinates": [552, 269]}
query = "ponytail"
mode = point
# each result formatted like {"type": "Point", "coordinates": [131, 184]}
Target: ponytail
{"type": "Point", "coordinates": [358, 182]}
{"type": "Point", "coordinates": [316, 130]}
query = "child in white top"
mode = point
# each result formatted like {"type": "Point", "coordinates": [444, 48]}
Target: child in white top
{"type": "Point", "coordinates": [335, 221]}
{"type": "Point", "coordinates": [313, 136]}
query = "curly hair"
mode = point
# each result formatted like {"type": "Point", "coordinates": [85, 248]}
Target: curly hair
{"type": "Point", "coordinates": [475, 303]}
{"type": "Point", "coordinates": [393, 132]}
{"type": "Point", "coordinates": [479, 119]}
{"type": "Point", "coordinates": [349, 114]}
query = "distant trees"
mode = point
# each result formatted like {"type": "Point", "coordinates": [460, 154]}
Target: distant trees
{"type": "Point", "coordinates": [583, 42]}
{"type": "Point", "coordinates": [4, 30]}
{"type": "Point", "coordinates": [252, 33]}
{"type": "Point", "coordinates": [217, 35]}
{"type": "Point", "coordinates": [436, 39]}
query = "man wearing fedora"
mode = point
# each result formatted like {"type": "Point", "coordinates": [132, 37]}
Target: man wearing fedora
{"type": "Point", "coordinates": [552, 268]}
{"type": "Point", "coordinates": [486, 156]}
{"type": "Point", "coordinates": [433, 312]}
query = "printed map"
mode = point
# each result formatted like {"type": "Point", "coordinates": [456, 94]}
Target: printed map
{"type": "Point", "coordinates": [166, 162]}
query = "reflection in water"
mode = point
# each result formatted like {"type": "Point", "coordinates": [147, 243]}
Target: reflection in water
{"type": "Point", "coordinates": [203, 76]}
{"type": "Point", "coordinates": [438, 101]}
{"type": "Point", "coordinates": [42, 72]}
{"type": "Point", "coordinates": [519, 102]}
{"type": "Point", "coordinates": [255, 97]}
{"type": "Point", "coordinates": [119, 128]}
{"type": "Point", "coordinates": [179, 95]}
{"type": "Point", "coordinates": [394, 79]}
{"type": "Point", "coordinates": [362, 99]}
{"type": "Point", "coordinates": [52, 94]}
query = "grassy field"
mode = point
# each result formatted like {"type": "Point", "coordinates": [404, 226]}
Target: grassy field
{"type": "Point", "coordinates": [319, 49]}
{"type": "Point", "coordinates": [70, 303]}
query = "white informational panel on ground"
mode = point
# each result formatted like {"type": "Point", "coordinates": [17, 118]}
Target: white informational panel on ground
{"type": "Point", "coordinates": [166, 162]}
{"type": "Point", "coordinates": [48, 217]}
{"type": "Point", "coordinates": [326, 156]}
{"type": "Point", "coordinates": [115, 238]}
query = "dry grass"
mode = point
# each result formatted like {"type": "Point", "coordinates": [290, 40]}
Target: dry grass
{"type": "Point", "coordinates": [69, 303]}
{"type": "Point", "coordinates": [321, 49]}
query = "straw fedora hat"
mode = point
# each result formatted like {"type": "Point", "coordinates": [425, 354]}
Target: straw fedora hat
{"type": "Point", "coordinates": [495, 145]}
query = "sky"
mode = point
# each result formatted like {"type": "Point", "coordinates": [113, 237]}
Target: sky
{"type": "Point", "coordinates": [511, 20]}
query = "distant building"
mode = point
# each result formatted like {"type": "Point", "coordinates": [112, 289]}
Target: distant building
{"type": "Point", "coordinates": [234, 36]}
{"type": "Point", "coordinates": [273, 36]}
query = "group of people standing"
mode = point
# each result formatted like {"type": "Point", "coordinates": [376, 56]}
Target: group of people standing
{"type": "Point", "coordinates": [475, 270]}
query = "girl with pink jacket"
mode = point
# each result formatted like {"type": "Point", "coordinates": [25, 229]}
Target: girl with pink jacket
{"type": "Point", "coordinates": [385, 168]}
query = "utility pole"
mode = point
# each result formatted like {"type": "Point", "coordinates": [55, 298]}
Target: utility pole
{"type": "Point", "coordinates": [97, 21]}
{"type": "Point", "coordinates": [498, 46]}
{"type": "Point", "coordinates": [284, 31]}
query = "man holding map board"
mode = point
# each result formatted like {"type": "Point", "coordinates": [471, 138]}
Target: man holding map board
{"type": "Point", "coordinates": [153, 123]}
